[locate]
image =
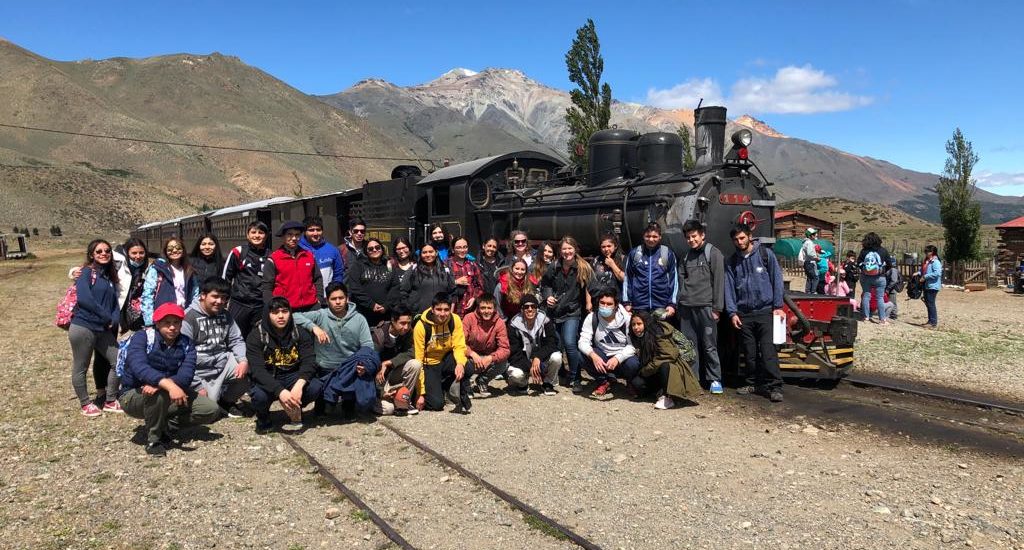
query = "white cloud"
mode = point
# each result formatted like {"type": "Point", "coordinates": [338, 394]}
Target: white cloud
{"type": "Point", "coordinates": [990, 180]}
{"type": "Point", "coordinates": [799, 90]}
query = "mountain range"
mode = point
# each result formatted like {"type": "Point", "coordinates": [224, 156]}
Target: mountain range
{"type": "Point", "coordinates": [86, 184]}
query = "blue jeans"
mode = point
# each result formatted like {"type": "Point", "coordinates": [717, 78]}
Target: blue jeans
{"type": "Point", "coordinates": [929, 303]}
{"type": "Point", "coordinates": [872, 284]}
{"type": "Point", "coordinates": [569, 336]}
{"type": "Point", "coordinates": [628, 370]}
{"type": "Point", "coordinates": [811, 272]}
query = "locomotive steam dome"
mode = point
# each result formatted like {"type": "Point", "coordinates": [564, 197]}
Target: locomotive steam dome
{"type": "Point", "coordinates": [660, 153]}
{"type": "Point", "coordinates": [612, 155]}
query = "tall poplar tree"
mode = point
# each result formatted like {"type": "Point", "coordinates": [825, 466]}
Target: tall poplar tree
{"type": "Point", "coordinates": [591, 100]}
{"type": "Point", "coordinates": [959, 211]}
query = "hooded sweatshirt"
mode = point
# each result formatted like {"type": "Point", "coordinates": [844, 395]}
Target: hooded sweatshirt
{"type": "Point", "coordinates": [244, 270]}
{"type": "Point", "coordinates": [528, 344]}
{"type": "Point", "coordinates": [442, 341]}
{"type": "Point", "coordinates": [486, 337]}
{"type": "Point", "coordinates": [272, 353]}
{"type": "Point", "coordinates": [328, 259]}
{"type": "Point", "coordinates": [397, 349]}
{"type": "Point", "coordinates": [347, 334]}
{"type": "Point", "coordinates": [612, 338]}
{"type": "Point", "coordinates": [212, 335]}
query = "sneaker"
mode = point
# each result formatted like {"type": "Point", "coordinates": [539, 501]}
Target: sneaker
{"type": "Point", "coordinates": [156, 448]}
{"type": "Point", "coordinates": [664, 403]}
{"type": "Point", "coordinates": [413, 411]}
{"type": "Point", "coordinates": [459, 409]}
{"type": "Point", "coordinates": [482, 390]}
{"type": "Point", "coordinates": [263, 428]}
{"type": "Point", "coordinates": [716, 387]}
{"type": "Point", "coordinates": [775, 396]}
{"type": "Point", "coordinates": [112, 407]}
{"type": "Point", "coordinates": [577, 387]}
{"type": "Point", "coordinates": [292, 426]}
{"type": "Point", "coordinates": [602, 389]}
{"type": "Point", "coordinates": [516, 390]}
{"type": "Point", "coordinates": [549, 389]}
{"type": "Point", "coordinates": [746, 390]}
{"type": "Point", "coordinates": [90, 410]}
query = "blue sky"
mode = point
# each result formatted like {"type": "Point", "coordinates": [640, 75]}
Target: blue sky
{"type": "Point", "coordinates": [889, 80]}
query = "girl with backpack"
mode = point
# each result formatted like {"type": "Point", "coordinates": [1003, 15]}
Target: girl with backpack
{"type": "Point", "coordinates": [873, 262]}
{"type": "Point", "coordinates": [426, 280]}
{"type": "Point", "coordinates": [94, 325]}
{"type": "Point", "coordinates": [662, 365]}
{"type": "Point", "coordinates": [206, 257]}
{"type": "Point", "coordinates": [564, 292]}
{"type": "Point", "coordinates": [170, 279]}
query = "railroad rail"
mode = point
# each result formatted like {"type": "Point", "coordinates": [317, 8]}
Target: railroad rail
{"type": "Point", "coordinates": [392, 533]}
{"type": "Point", "coordinates": [934, 393]}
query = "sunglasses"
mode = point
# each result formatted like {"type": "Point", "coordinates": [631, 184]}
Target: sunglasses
{"type": "Point", "coordinates": [359, 231]}
{"type": "Point", "coordinates": [529, 306]}
{"type": "Point", "coordinates": [175, 248]}
{"type": "Point", "coordinates": [101, 251]}
{"type": "Point", "coordinates": [518, 241]}
{"type": "Point", "coordinates": [373, 248]}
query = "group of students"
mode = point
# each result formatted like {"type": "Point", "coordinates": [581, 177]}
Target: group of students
{"type": "Point", "coordinates": [354, 329]}
{"type": "Point", "coordinates": [878, 273]}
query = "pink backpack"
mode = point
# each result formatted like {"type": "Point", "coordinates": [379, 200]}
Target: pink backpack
{"type": "Point", "coordinates": [66, 306]}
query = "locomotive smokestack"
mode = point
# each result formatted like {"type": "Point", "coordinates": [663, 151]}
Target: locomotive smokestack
{"type": "Point", "coordinates": [709, 127]}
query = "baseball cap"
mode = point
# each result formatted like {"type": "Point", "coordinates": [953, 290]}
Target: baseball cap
{"type": "Point", "coordinates": [170, 308]}
{"type": "Point", "coordinates": [403, 399]}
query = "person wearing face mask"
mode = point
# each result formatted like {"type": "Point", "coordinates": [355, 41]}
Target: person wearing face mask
{"type": "Point", "coordinates": [606, 347]}
{"type": "Point", "coordinates": [487, 343]}
{"type": "Point", "coordinates": [328, 257]}
{"type": "Point", "coordinates": [170, 279]}
{"type": "Point", "coordinates": [292, 272]}
{"type": "Point", "coordinates": [243, 268]}
{"type": "Point", "coordinates": [701, 299]}
{"type": "Point", "coordinates": [370, 282]}
{"type": "Point", "coordinates": [206, 258]}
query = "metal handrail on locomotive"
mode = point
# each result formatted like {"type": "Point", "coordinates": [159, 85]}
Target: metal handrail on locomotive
{"type": "Point", "coordinates": [631, 180]}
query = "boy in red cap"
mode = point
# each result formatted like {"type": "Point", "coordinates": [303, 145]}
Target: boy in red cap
{"type": "Point", "coordinates": [155, 384]}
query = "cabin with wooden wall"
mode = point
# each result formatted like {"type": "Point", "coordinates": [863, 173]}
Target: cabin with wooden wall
{"type": "Point", "coordinates": [791, 224]}
{"type": "Point", "coordinates": [1011, 246]}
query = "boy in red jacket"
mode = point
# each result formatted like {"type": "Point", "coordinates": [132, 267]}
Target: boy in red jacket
{"type": "Point", "coordinates": [487, 340]}
{"type": "Point", "coordinates": [291, 272]}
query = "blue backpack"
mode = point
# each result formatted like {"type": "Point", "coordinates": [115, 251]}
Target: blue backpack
{"type": "Point", "coordinates": [122, 350]}
{"type": "Point", "coordinates": [873, 264]}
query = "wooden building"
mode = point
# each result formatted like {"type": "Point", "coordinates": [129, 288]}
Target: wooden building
{"type": "Point", "coordinates": [792, 224]}
{"type": "Point", "coordinates": [1011, 246]}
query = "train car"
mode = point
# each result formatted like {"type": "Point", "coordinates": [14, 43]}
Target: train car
{"type": "Point", "coordinates": [394, 208]}
{"type": "Point", "coordinates": [194, 227]}
{"type": "Point", "coordinates": [229, 224]}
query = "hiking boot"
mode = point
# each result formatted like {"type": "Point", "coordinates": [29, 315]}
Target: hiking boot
{"type": "Point", "coordinates": [156, 448]}
{"type": "Point", "coordinates": [775, 396]}
{"type": "Point", "coordinates": [747, 390]}
{"type": "Point", "coordinates": [664, 403]}
{"type": "Point", "coordinates": [90, 410]}
{"type": "Point", "coordinates": [577, 387]}
{"type": "Point", "coordinates": [482, 390]}
{"type": "Point", "coordinates": [549, 389]}
{"type": "Point", "coordinates": [716, 387]}
{"type": "Point", "coordinates": [602, 389]}
{"type": "Point", "coordinates": [112, 407]}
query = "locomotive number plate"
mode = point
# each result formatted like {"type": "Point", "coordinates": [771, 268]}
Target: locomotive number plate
{"type": "Point", "coordinates": [734, 198]}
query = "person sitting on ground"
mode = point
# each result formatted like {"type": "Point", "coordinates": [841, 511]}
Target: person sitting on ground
{"type": "Point", "coordinates": [340, 332]}
{"type": "Point", "coordinates": [283, 367]}
{"type": "Point", "coordinates": [753, 295]}
{"type": "Point", "coordinates": [221, 365]}
{"type": "Point", "coordinates": [206, 258]}
{"type": "Point", "coordinates": [292, 272]}
{"type": "Point", "coordinates": [370, 282]}
{"type": "Point", "coordinates": [243, 268]}
{"type": "Point", "coordinates": [156, 384]}
{"type": "Point", "coordinates": [328, 258]}
{"type": "Point", "coordinates": [170, 279]}
{"type": "Point", "coordinates": [605, 344]}
{"type": "Point", "coordinates": [487, 340]}
{"type": "Point", "coordinates": [430, 277]}
{"type": "Point", "coordinates": [439, 344]}
{"type": "Point", "coordinates": [533, 342]}
{"type": "Point", "coordinates": [513, 285]}
{"type": "Point", "coordinates": [355, 242]}
{"type": "Point", "coordinates": [399, 368]}
{"type": "Point", "coordinates": [662, 366]}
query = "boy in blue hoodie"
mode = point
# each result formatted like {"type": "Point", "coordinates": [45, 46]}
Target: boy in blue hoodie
{"type": "Point", "coordinates": [753, 294]}
{"type": "Point", "coordinates": [328, 258]}
{"type": "Point", "coordinates": [157, 378]}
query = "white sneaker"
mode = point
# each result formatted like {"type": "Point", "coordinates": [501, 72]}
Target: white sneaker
{"type": "Point", "coordinates": [664, 402]}
{"type": "Point", "coordinates": [413, 411]}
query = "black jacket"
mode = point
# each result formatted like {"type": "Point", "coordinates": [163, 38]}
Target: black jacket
{"type": "Point", "coordinates": [398, 350]}
{"type": "Point", "coordinates": [368, 283]}
{"type": "Point", "coordinates": [489, 271]}
{"type": "Point", "coordinates": [244, 270]}
{"type": "Point", "coordinates": [563, 286]}
{"type": "Point", "coordinates": [421, 285]}
{"type": "Point", "coordinates": [271, 355]}
{"type": "Point", "coordinates": [543, 341]}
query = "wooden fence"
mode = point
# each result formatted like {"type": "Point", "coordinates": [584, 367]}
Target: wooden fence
{"type": "Point", "coordinates": [953, 273]}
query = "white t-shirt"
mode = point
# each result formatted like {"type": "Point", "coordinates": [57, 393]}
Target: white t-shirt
{"type": "Point", "coordinates": [179, 285]}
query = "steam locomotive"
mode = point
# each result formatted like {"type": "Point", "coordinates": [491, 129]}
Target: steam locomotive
{"type": "Point", "coordinates": [631, 180]}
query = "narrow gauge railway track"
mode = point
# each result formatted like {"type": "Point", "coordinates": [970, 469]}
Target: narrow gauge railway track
{"type": "Point", "coordinates": [393, 534]}
{"type": "Point", "coordinates": [7, 274]}
{"type": "Point", "coordinates": [945, 395]}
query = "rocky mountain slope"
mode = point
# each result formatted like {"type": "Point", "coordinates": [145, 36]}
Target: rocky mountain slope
{"type": "Point", "coordinates": [84, 183]}
{"type": "Point", "coordinates": [499, 103]}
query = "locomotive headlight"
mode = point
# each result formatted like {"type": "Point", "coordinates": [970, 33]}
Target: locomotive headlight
{"type": "Point", "coordinates": [742, 138]}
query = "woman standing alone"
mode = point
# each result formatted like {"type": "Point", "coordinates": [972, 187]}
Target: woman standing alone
{"type": "Point", "coordinates": [94, 324]}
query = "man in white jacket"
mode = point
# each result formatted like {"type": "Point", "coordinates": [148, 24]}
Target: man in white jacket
{"type": "Point", "coordinates": [605, 344]}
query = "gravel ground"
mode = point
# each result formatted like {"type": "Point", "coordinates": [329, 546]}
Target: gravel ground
{"type": "Point", "coordinates": [724, 473]}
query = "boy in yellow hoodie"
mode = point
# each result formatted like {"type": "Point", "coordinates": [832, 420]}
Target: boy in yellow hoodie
{"type": "Point", "coordinates": [440, 346]}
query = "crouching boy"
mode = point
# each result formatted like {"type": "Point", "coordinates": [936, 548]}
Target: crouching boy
{"type": "Point", "coordinates": [282, 364]}
{"type": "Point", "coordinates": [440, 346]}
{"type": "Point", "coordinates": [398, 368]}
{"type": "Point", "coordinates": [535, 355]}
{"type": "Point", "coordinates": [155, 386]}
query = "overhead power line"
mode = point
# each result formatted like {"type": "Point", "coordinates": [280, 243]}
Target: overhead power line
{"type": "Point", "coordinates": [206, 146]}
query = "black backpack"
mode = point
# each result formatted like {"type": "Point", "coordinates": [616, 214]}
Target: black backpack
{"type": "Point", "coordinates": [428, 328]}
{"type": "Point", "coordinates": [915, 288]}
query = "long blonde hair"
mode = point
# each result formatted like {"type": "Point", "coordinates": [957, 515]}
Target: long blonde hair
{"type": "Point", "coordinates": [515, 293]}
{"type": "Point", "coordinates": [583, 270]}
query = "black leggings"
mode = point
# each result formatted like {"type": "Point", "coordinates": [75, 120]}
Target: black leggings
{"type": "Point", "coordinates": [438, 380]}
